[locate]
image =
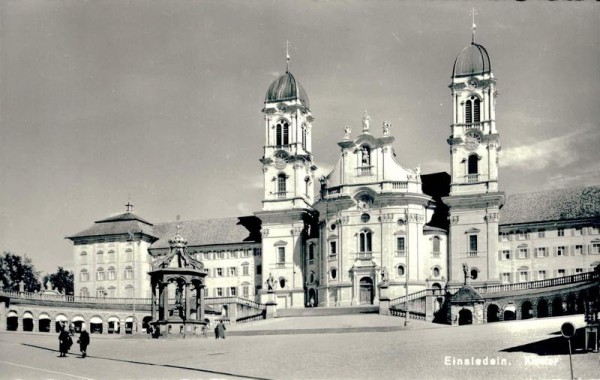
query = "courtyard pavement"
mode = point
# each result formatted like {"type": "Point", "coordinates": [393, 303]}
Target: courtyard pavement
{"type": "Point", "coordinates": [331, 347]}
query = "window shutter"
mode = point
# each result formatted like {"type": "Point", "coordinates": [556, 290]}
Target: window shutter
{"type": "Point", "coordinates": [589, 249]}
{"type": "Point", "coordinates": [546, 252]}
{"type": "Point", "coordinates": [500, 255]}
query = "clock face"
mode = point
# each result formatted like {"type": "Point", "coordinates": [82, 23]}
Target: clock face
{"type": "Point", "coordinates": [472, 141]}
{"type": "Point", "coordinates": [279, 163]}
{"type": "Point", "coordinates": [365, 218]}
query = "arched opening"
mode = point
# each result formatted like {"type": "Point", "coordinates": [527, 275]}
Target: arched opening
{"type": "Point", "coordinates": [59, 322]}
{"type": "Point", "coordinates": [282, 283]}
{"type": "Point", "coordinates": [27, 321]}
{"type": "Point", "coordinates": [473, 164]}
{"type": "Point", "coordinates": [12, 321]}
{"type": "Point", "coordinates": [114, 325]}
{"type": "Point", "coordinates": [366, 290]}
{"type": "Point", "coordinates": [96, 325]}
{"type": "Point", "coordinates": [78, 322]}
{"type": "Point", "coordinates": [571, 304]}
{"type": "Point", "coordinates": [364, 241]}
{"type": "Point", "coordinates": [146, 321]}
{"type": "Point", "coordinates": [557, 307]}
{"type": "Point", "coordinates": [437, 288]}
{"type": "Point", "coordinates": [312, 297]}
{"type": "Point", "coordinates": [493, 313]}
{"type": "Point", "coordinates": [44, 322]}
{"type": "Point", "coordinates": [476, 112]}
{"type": "Point", "coordinates": [365, 155]}
{"type": "Point", "coordinates": [509, 313]}
{"type": "Point", "coordinates": [465, 317]}
{"type": "Point", "coordinates": [130, 325]}
{"type": "Point", "coordinates": [282, 132]}
{"type": "Point", "coordinates": [526, 310]}
{"type": "Point", "coordinates": [542, 308]}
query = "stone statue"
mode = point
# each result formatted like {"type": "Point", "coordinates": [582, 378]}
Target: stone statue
{"type": "Point", "coordinates": [417, 172]}
{"type": "Point", "coordinates": [466, 272]}
{"type": "Point", "coordinates": [270, 282]}
{"type": "Point", "coordinates": [347, 131]}
{"type": "Point", "coordinates": [366, 122]}
{"type": "Point", "coordinates": [384, 276]}
{"type": "Point", "coordinates": [365, 156]}
{"type": "Point", "coordinates": [386, 128]}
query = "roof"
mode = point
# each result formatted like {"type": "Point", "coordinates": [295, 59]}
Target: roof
{"type": "Point", "coordinates": [551, 205]}
{"type": "Point", "coordinates": [286, 88]}
{"type": "Point", "coordinates": [127, 223]}
{"type": "Point", "coordinates": [210, 231]}
{"type": "Point", "coordinates": [466, 294]}
{"type": "Point", "coordinates": [472, 60]}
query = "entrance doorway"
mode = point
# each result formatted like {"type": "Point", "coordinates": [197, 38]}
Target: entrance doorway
{"type": "Point", "coordinates": [312, 297]}
{"type": "Point", "coordinates": [366, 290]}
{"type": "Point", "coordinates": [465, 317]}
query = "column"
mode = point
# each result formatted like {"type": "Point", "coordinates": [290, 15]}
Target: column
{"type": "Point", "coordinates": [161, 301]}
{"type": "Point", "coordinates": [186, 294]}
{"type": "Point", "coordinates": [200, 312]}
{"type": "Point", "coordinates": [153, 301]}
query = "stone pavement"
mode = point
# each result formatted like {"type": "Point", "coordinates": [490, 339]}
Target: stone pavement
{"type": "Point", "coordinates": [518, 349]}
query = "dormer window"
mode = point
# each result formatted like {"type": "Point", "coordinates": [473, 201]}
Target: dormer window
{"type": "Point", "coordinates": [282, 133]}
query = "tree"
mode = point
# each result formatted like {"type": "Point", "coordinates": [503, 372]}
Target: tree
{"type": "Point", "coordinates": [14, 269]}
{"type": "Point", "coordinates": [62, 280]}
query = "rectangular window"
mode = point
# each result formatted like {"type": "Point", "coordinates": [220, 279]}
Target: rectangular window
{"type": "Point", "coordinates": [579, 249]}
{"type": "Point", "coordinates": [257, 251]}
{"type": "Point", "coordinates": [233, 291]}
{"type": "Point", "coordinates": [541, 252]}
{"type": "Point", "coordinates": [246, 253]}
{"type": "Point", "coordinates": [280, 255]}
{"type": "Point", "coordinates": [578, 231]}
{"type": "Point", "coordinates": [521, 235]}
{"type": "Point", "coordinates": [333, 248]}
{"type": "Point", "coordinates": [245, 270]}
{"type": "Point", "coordinates": [128, 273]}
{"type": "Point", "coordinates": [259, 269]}
{"type": "Point", "coordinates": [219, 272]}
{"type": "Point", "coordinates": [219, 292]}
{"type": "Point", "coordinates": [561, 272]}
{"type": "Point", "coordinates": [596, 248]}
{"type": "Point", "coordinates": [506, 278]}
{"type": "Point", "coordinates": [523, 276]}
{"type": "Point", "coordinates": [246, 291]}
{"type": "Point", "coordinates": [578, 270]}
{"type": "Point", "coordinates": [206, 256]}
{"type": "Point", "coordinates": [472, 245]}
{"type": "Point", "coordinates": [541, 275]}
{"type": "Point", "coordinates": [220, 255]}
{"type": "Point", "coordinates": [233, 254]}
{"type": "Point", "coordinates": [561, 232]}
{"type": "Point", "coordinates": [561, 251]}
{"type": "Point", "coordinates": [84, 276]}
{"type": "Point", "coordinates": [401, 245]}
{"type": "Point", "coordinates": [541, 233]}
{"type": "Point", "coordinates": [233, 271]}
{"type": "Point", "coordinates": [504, 236]}
{"type": "Point", "coordinates": [522, 253]}
{"type": "Point", "coordinates": [506, 254]}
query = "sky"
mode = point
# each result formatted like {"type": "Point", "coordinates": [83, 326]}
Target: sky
{"type": "Point", "coordinates": [160, 101]}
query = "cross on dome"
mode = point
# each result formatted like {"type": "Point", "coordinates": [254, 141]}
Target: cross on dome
{"type": "Point", "coordinates": [287, 56]}
{"type": "Point", "coordinates": [473, 13]}
{"type": "Point", "coordinates": [129, 206]}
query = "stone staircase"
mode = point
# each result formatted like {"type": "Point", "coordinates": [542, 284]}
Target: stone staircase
{"type": "Point", "coordinates": [327, 311]}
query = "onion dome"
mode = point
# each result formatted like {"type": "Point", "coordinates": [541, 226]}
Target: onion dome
{"type": "Point", "coordinates": [473, 60]}
{"type": "Point", "coordinates": [285, 88]}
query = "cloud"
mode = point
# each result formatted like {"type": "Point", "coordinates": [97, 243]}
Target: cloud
{"type": "Point", "coordinates": [584, 177]}
{"type": "Point", "coordinates": [555, 152]}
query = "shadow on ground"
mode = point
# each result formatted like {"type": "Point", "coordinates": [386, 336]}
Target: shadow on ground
{"type": "Point", "coordinates": [556, 345]}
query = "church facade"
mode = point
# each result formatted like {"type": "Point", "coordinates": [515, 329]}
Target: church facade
{"type": "Point", "coordinates": [372, 220]}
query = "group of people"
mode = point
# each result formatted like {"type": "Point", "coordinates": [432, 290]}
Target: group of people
{"type": "Point", "coordinates": [65, 340]}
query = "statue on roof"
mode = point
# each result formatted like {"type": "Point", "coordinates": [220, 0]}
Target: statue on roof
{"type": "Point", "coordinates": [366, 122]}
{"type": "Point", "coordinates": [465, 271]}
{"type": "Point", "coordinates": [347, 131]}
{"type": "Point", "coordinates": [270, 283]}
{"type": "Point", "coordinates": [386, 128]}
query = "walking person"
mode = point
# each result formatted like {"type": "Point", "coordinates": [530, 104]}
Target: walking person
{"type": "Point", "coordinates": [220, 330]}
{"type": "Point", "coordinates": [84, 341]}
{"type": "Point", "coordinates": [64, 341]}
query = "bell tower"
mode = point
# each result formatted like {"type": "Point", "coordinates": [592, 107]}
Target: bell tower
{"type": "Point", "coordinates": [288, 173]}
{"type": "Point", "coordinates": [474, 199]}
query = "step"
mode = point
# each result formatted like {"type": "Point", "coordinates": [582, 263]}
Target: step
{"type": "Point", "coordinates": [324, 311]}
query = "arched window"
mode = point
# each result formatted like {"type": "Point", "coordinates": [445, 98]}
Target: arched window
{"type": "Point", "coordinates": [364, 241]}
{"type": "Point", "coordinates": [281, 182]}
{"type": "Point", "coordinates": [401, 270]}
{"type": "Point", "coordinates": [83, 257]}
{"type": "Point", "coordinates": [312, 277]}
{"type": "Point", "coordinates": [436, 272]}
{"type": "Point", "coordinates": [436, 244]}
{"type": "Point", "coordinates": [100, 292]}
{"type": "Point", "coordinates": [473, 164]}
{"type": "Point", "coordinates": [281, 283]}
{"type": "Point", "coordinates": [112, 292]}
{"type": "Point", "coordinates": [111, 273]}
{"type": "Point", "coordinates": [100, 274]}
{"type": "Point", "coordinates": [84, 292]}
{"type": "Point", "coordinates": [472, 110]}
{"type": "Point", "coordinates": [128, 273]}
{"type": "Point", "coordinates": [129, 254]}
{"type": "Point", "coordinates": [306, 185]}
{"type": "Point", "coordinates": [333, 273]}
{"type": "Point", "coordinates": [84, 275]}
{"type": "Point", "coordinates": [311, 253]}
{"type": "Point", "coordinates": [474, 273]}
{"type": "Point", "coordinates": [283, 132]}
{"type": "Point", "coordinates": [100, 256]}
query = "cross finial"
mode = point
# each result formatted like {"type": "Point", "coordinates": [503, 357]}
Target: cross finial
{"type": "Point", "coordinates": [473, 13]}
{"type": "Point", "coordinates": [287, 56]}
{"type": "Point", "coordinates": [129, 206]}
